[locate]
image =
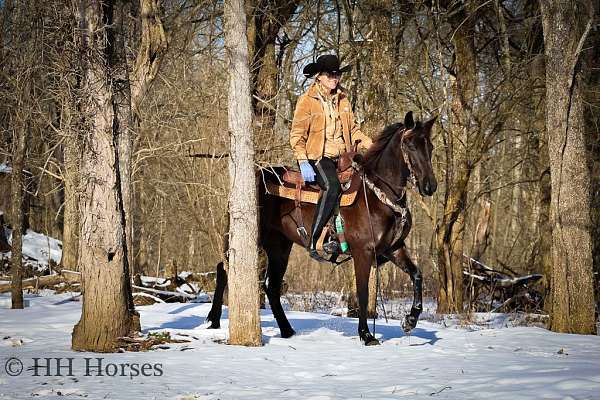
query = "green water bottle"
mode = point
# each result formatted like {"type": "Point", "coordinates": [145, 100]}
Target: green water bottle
{"type": "Point", "coordinates": [339, 227]}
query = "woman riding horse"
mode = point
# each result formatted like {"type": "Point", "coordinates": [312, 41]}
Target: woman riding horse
{"type": "Point", "coordinates": [323, 128]}
{"type": "Point", "coordinates": [377, 222]}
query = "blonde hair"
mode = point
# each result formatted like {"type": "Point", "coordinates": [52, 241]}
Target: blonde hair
{"type": "Point", "coordinates": [322, 90]}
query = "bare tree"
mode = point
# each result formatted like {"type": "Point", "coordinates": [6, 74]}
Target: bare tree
{"type": "Point", "coordinates": [150, 54]}
{"type": "Point", "coordinates": [451, 229]}
{"type": "Point", "coordinates": [70, 240]}
{"type": "Point", "coordinates": [22, 51]}
{"type": "Point", "coordinates": [20, 130]}
{"type": "Point", "coordinates": [107, 312]}
{"type": "Point", "coordinates": [566, 28]}
{"type": "Point", "coordinates": [244, 326]}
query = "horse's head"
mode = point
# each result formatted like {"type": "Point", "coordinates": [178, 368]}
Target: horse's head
{"type": "Point", "coordinates": [416, 150]}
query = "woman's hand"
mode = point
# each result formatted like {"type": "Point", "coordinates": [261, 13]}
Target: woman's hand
{"type": "Point", "coordinates": [308, 173]}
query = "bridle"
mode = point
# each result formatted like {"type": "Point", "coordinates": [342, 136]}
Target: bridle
{"type": "Point", "coordinates": [411, 174]}
{"type": "Point", "coordinates": [395, 204]}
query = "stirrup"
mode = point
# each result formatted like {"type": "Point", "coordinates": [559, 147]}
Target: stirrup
{"type": "Point", "coordinates": [332, 247]}
{"type": "Point", "coordinates": [315, 255]}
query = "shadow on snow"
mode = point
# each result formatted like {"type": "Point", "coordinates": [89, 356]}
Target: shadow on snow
{"type": "Point", "coordinates": [303, 324]}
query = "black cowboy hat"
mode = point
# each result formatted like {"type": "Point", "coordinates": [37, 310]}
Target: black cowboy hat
{"type": "Point", "coordinates": [326, 63]}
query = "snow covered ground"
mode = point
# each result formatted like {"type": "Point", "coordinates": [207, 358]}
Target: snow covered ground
{"type": "Point", "coordinates": [38, 249]}
{"type": "Point", "coordinates": [324, 361]}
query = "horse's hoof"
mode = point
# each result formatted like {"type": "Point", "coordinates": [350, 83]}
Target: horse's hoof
{"type": "Point", "coordinates": [288, 334]}
{"type": "Point", "coordinates": [214, 325]}
{"type": "Point", "coordinates": [409, 324]}
{"type": "Point", "coordinates": [369, 340]}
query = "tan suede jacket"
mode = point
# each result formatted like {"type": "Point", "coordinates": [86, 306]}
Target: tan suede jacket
{"type": "Point", "coordinates": [307, 135]}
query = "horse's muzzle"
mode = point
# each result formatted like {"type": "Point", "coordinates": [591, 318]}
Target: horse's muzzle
{"type": "Point", "coordinates": [428, 187]}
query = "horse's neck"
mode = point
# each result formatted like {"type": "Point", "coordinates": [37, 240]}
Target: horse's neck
{"type": "Point", "coordinates": [392, 168]}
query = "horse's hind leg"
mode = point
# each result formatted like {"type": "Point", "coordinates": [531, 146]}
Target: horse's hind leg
{"type": "Point", "coordinates": [214, 316]}
{"type": "Point", "coordinates": [401, 259]}
{"type": "Point", "coordinates": [278, 249]}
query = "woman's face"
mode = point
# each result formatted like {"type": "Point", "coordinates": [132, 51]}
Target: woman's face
{"type": "Point", "coordinates": [329, 80]}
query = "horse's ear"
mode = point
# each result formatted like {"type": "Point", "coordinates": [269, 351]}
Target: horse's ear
{"type": "Point", "coordinates": [409, 122]}
{"type": "Point", "coordinates": [429, 124]}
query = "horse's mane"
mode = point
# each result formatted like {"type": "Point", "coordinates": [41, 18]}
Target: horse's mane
{"type": "Point", "coordinates": [379, 144]}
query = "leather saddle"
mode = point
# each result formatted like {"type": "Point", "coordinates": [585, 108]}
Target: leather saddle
{"type": "Point", "coordinates": [291, 185]}
{"type": "Point", "coordinates": [344, 172]}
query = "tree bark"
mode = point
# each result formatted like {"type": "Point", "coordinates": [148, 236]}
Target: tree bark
{"type": "Point", "coordinates": [372, 304]}
{"type": "Point", "coordinates": [20, 66]}
{"type": "Point", "coordinates": [592, 122]}
{"type": "Point", "coordinates": [244, 303]}
{"type": "Point", "coordinates": [107, 312]}
{"type": "Point", "coordinates": [264, 20]}
{"type": "Point", "coordinates": [150, 53]}
{"type": "Point", "coordinates": [482, 234]}
{"type": "Point", "coordinates": [70, 123]}
{"type": "Point", "coordinates": [380, 63]}
{"type": "Point", "coordinates": [450, 231]}
{"type": "Point", "coordinates": [71, 203]}
{"type": "Point", "coordinates": [18, 163]}
{"type": "Point", "coordinates": [566, 27]}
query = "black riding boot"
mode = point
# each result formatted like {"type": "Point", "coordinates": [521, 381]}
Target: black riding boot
{"type": "Point", "coordinates": [331, 189]}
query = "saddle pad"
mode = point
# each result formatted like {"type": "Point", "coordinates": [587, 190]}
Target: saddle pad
{"type": "Point", "coordinates": [294, 177]}
{"type": "Point", "coordinates": [307, 196]}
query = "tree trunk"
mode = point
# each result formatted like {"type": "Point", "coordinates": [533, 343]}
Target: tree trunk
{"type": "Point", "coordinates": [544, 226]}
{"type": "Point", "coordinates": [19, 66]}
{"type": "Point", "coordinates": [592, 118]}
{"type": "Point", "coordinates": [19, 142]}
{"type": "Point", "coordinates": [244, 303]}
{"type": "Point", "coordinates": [372, 304]}
{"type": "Point", "coordinates": [381, 63]}
{"type": "Point", "coordinates": [450, 231]}
{"type": "Point", "coordinates": [71, 203]}
{"type": "Point", "coordinates": [264, 20]}
{"type": "Point", "coordinates": [107, 312]}
{"type": "Point", "coordinates": [482, 234]}
{"type": "Point", "coordinates": [566, 26]}
{"type": "Point", "coordinates": [150, 53]}
{"type": "Point", "coordinates": [71, 125]}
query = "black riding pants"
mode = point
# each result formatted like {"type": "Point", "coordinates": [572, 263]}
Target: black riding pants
{"type": "Point", "coordinates": [327, 179]}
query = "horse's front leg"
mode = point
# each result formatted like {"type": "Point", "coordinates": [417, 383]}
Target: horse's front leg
{"type": "Point", "coordinates": [362, 270]}
{"type": "Point", "coordinates": [401, 259]}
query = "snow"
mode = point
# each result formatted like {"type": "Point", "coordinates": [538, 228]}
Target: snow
{"type": "Point", "coordinates": [5, 168]}
{"type": "Point", "coordinates": [325, 360]}
{"type": "Point", "coordinates": [38, 249]}
{"type": "Point", "coordinates": [6, 302]}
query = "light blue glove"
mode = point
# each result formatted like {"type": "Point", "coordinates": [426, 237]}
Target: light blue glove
{"type": "Point", "coordinates": [308, 173]}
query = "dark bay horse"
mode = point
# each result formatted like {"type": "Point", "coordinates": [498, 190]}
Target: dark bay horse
{"type": "Point", "coordinates": [399, 152]}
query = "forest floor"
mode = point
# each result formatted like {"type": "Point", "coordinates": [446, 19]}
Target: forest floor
{"type": "Point", "coordinates": [444, 358]}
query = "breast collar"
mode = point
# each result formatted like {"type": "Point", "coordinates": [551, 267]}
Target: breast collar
{"type": "Point", "coordinates": [396, 203]}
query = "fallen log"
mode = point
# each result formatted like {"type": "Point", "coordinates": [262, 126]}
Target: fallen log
{"type": "Point", "coordinates": [166, 293]}
{"type": "Point", "coordinates": [73, 277]}
{"type": "Point", "coordinates": [40, 282]}
{"type": "Point", "coordinates": [486, 287]}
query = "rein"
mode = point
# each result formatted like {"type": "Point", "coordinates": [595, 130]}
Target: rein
{"type": "Point", "coordinates": [394, 205]}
